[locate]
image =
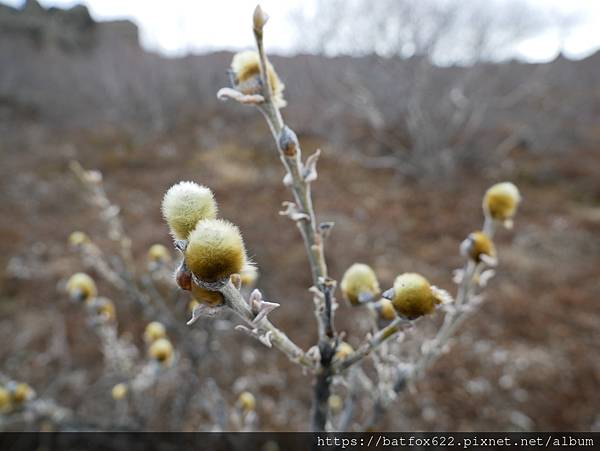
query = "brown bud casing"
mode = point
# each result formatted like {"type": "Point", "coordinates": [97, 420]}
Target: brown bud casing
{"type": "Point", "coordinates": [183, 277]}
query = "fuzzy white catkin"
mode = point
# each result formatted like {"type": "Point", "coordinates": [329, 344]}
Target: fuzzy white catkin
{"type": "Point", "coordinates": [184, 205]}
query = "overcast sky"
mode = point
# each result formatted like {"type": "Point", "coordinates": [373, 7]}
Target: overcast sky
{"type": "Point", "coordinates": [175, 27]}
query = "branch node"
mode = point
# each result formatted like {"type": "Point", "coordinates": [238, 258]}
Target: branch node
{"type": "Point", "coordinates": [293, 212]}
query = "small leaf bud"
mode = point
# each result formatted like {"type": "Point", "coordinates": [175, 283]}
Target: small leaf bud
{"type": "Point", "coordinates": [288, 141]}
{"type": "Point", "coordinates": [259, 19]}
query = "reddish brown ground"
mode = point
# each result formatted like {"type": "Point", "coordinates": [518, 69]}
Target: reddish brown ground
{"type": "Point", "coordinates": [527, 359]}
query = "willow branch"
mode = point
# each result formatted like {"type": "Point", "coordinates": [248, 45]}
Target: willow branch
{"type": "Point", "coordinates": [371, 344]}
{"type": "Point", "coordinates": [299, 180]}
{"type": "Point", "coordinates": [235, 301]}
{"type": "Point", "coordinates": [458, 313]}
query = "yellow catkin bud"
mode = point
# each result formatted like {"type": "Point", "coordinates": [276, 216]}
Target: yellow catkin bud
{"type": "Point", "coordinates": [161, 350]}
{"type": "Point", "coordinates": [385, 309]}
{"type": "Point", "coordinates": [154, 331]}
{"type": "Point", "coordinates": [249, 276]}
{"type": "Point", "coordinates": [5, 401]}
{"type": "Point", "coordinates": [158, 253]}
{"type": "Point", "coordinates": [246, 68]}
{"type": "Point", "coordinates": [105, 308]}
{"type": "Point", "coordinates": [81, 287]}
{"type": "Point", "coordinates": [477, 245]}
{"type": "Point", "coordinates": [215, 250]}
{"type": "Point", "coordinates": [335, 403]}
{"type": "Point", "coordinates": [119, 392]}
{"type": "Point", "coordinates": [207, 297]}
{"type": "Point", "coordinates": [78, 239]}
{"type": "Point", "coordinates": [501, 201]}
{"type": "Point", "coordinates": [343, 350]}
{"type": "Point", "coordinates": [359, 281]}
{"type": "Point", "coordinates": [247, 401]}
{"type": "Point", "coordinates": [413, 296]}
{"type": "Point", "coordinates": [184, 205]}
{"type": "Point", "coordinates": [22, 393]}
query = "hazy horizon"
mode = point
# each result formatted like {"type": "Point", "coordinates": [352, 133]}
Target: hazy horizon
{"type": "Point", "coordinates": [177, 29]}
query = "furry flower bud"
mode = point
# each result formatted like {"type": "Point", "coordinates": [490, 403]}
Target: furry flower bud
{"type": "Point", "coordinates": [22, 393]}
{"type": "Point", "coordinates": [158, 254]}
{"type": "Point", "coordinates": [413, 296]}
{"type": "Point", "coordinates": [5, 401]}
{"type": "Point", "coordinates": [154, 331]}
{"type": "Point", "coordinates": [78, 239]}
{"type": "Point", "coordinates": [501, 202]}
{"type": "Point", "coordinates": [245, 67]}
{"type": "Point", "coordinates": [119, 392]}
{"type": "Point", "coordinates": [184, 205]}
{"type": "Point", "coordinates": [104, 308]}
{"type": "Point", "coordinates": [478, 247]}
{"type": "Point", "coordinates": [81, 287]}
{"type": "Point", "coordinates": [161, 351]}
{"type": "Point", "coordinates": [215, 250]}
{"type": "Point", "coordinates": [247, 401]}
{"type": "Point", "coordinates": [359, 284]}
{"type": "Point", "coordinates": [343, 350]}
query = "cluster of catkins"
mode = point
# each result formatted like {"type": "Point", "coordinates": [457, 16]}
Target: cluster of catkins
{"type": "Point", "coordinates": [213, 249]}
{"type": "Point", "coordinates": [159, 349]}
{"type": "Point", "coordinates": [412, 295]}
{"type": "Point", "coordinates": [82, 288]}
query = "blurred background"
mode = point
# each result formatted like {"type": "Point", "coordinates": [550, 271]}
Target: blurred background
{"type": "Point", "coordinates": [418, 107]}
